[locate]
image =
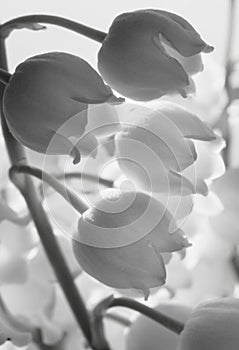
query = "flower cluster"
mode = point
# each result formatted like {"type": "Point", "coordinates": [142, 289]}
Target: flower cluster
{"type": "Point", "coordinates": [56, 103]}
{"type": "Point", "coordinates": [157, 159]}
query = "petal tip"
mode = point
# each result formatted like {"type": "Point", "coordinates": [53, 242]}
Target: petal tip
{"type": "Point", "coordinates": [208, 49]}
{"type": "Point", "coordinates": [75, 154]}
{"type": "Point", "coordinates": [115, 100]}
{"type": "Point", "coordinates": [146, 293]}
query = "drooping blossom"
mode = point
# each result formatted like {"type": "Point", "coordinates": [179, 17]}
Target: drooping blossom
{"type": "Point", "coordinates": [149, 53]}
{"type": "Point", "coordinates": [123, 240]}
{"type": "Point", "coordinates": [156, 148]}
{"type": "Point", "coordinates": [47, 98]}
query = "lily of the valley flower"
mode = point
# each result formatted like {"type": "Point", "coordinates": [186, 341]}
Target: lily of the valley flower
{"type": "Point", "coordinates": [48, 96]}
{"type": "Point", "coordinates": [150, 53]}
{"type": "Point", "coordinates": [123, 238]}
{"type": "Point", "coordinates": [212, 326]}
{"type": "Point", "coordinates": [155, 147]}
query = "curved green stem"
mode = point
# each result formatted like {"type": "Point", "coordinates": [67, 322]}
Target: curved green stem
{"type": "Point", "coordinates": [24, 21]}
{"type": "Point", "coordinates": [166, 321]}
{"type": "Point", "coordinates": [84, 176]}
{"type": "Point", "coordinates": [101, 308]}
{"type": "Point", "coordinates": [65, 192]}
{"type": "Point", "coordinates": [123, 321]}
{"type": "Point", "coordinates": [93, 178]}
{"type": "Point", "coordinates": [17, 154]}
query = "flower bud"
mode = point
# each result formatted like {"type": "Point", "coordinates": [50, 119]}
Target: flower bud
{"type": "Point", "coordinates": [121, 241]}
{"type": "Point", "coordinates": [149, 53]}
{"type": "Point", "coordinates": [48, 96]}
{"type": "Point", "coordinates": [212, 326]}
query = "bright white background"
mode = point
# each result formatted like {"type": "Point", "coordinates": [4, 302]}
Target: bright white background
{"type": "Point", "coordinates": [209, 17]}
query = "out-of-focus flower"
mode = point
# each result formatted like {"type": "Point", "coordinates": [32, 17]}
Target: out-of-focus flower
{"type": "Point", "coordinates": [210, 97]}
{"type": "Point", "coordinates": [147, 334]}
{"type": "Point", "coordinates": [150, 53]}
{"type": "Point", "coordinates": [28, 299]}
{"type": "Point", "coordinates": [208, 260]}
{"type": "Point", "coordinates": [233, 126]}
{"type": "Point", "coordinates": [212, 326]}
{"type": "Point", "coordinates": [15, 329]}
{"type": "Point", "coordinates": [33, 296]}
{"type": "Point", "coordinates": [208, 166]}
{"type": "Point", "coordinates": [48, 96]}
{"type": "Point", "coordinates": [226, 223]}
{"type": "Point", "coordinates": [178, 275]}
{"type": "Point", "coordinates": [13, 269]}
{"type": "Point", "coordinates": [17, 242]}
{"type": "Point", "coordinates": [210, 278]}
{"type": "Point", "coordinates": [8, 214]}
{"type": "Point", "coordinates": [155, 148]}
{"type": "Point", "coordinates": [122, 240]}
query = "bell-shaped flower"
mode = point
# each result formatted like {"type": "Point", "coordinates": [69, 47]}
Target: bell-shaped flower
{"type": "Point", "coordinates": [48, 96]}
{"type": "Point", "coordinates": [145, 333]}
{"type": "Point", "coordinates": [155, 147]}
{"type": "Point", "coordinates": [150, 53]}
{"type": "Point", "coordinates": [212, 326]}
{"type": "Point", "coordinates": [124, 239]}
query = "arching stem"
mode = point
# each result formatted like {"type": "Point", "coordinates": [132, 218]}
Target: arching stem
{"type": "Point", "coordinates": [65, 192]}
{"type": "Point", "coordinates": [90, 177]}
{"type": "Point", "coordinates": [27, 21]}
{"type": "Point", "coordinates": [164, 320]}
